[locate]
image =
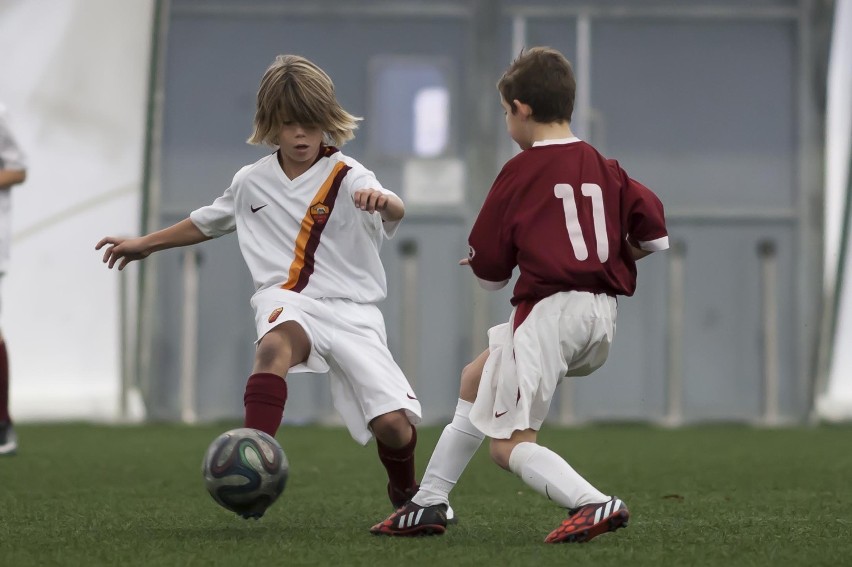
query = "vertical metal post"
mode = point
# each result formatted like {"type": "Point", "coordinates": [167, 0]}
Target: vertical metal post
{"type": "Point", "coordinates": [810, 190]}
{"type": "Point", "coordinates": [151, 199]}
{"type": "Point", "coordinates": [410, 330]}
{"type": "Point", "coordinates": [519, 35]}
{"type": "Point", "coordinates": [481, 124]}
{"type": "Point", "coordinates": [131, 403]}
{"type": "Point", "coordinates": [583, 68]}
{"type": "Point", "coordinates": [767, 253]}
{"type": "Point", "coordinates": [126, 347]}
{"type": "Point", "coordinates": [189, 337]}
{"type": "Point", "coordinates": [674, 361]}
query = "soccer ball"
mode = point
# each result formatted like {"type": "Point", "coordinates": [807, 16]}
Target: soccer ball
{"type": "Point", "coordinates": [245, 471]}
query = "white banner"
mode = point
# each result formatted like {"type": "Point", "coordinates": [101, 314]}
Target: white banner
{"type": "Point", "coordinates": [836, 402]}
{"type": "Point", "coordinates": [74, 78]}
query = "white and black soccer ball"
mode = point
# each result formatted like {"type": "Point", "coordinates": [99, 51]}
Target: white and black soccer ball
{"type": "Point", "coordinates": [245, 471]}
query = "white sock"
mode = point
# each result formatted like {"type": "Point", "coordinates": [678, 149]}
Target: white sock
{"type": "Point", "coordinates": [455, 448]}
{"type": "Point", "coordinates": [548, 474]}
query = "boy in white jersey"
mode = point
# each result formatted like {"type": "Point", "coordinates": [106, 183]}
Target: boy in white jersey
{"type": "Point", "coordinates": [310, 222]}
{"type": "Point", "coordinates": [574, 224]}
{"type": "Point", "coordinates": [13, 170]}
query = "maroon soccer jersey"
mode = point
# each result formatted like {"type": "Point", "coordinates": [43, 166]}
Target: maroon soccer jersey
{"type": "Point", "coordinates": [562, 213]}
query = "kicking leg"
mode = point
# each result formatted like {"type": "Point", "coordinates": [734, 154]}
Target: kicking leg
{"type": "Point", "coordinates": [591, 512]}
{"type": "Point", "coordinates": [266, 390]}
{"type": "Point", "coordinates": [396, 439]}
{"type": "Point", "coordinates": [426, 513]}
{"type": "Point", "coordinates": [543, 470]}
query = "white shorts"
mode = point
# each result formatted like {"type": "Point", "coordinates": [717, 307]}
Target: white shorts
{"type": "Point", "coordinates": [566, 334]}
{"type": "Point", "coordinates": [349, 341]}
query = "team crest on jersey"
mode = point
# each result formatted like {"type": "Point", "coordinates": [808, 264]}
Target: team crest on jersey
{"type": "Point", "coordinates": [274, 315]}
{"type": "Point", "coordinates": [319, 213]}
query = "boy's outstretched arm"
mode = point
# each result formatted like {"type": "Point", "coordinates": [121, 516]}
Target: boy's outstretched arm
{"type": "Point", "coordinates": [389, 206]}
{"type": "Point", "coordinates": [183, 233]}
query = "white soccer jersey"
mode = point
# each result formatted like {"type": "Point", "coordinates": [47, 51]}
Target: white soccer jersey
{"type": "Point", "coordinates": [304, 234]}
{"type": "Point", "coordinates": [11, 157]}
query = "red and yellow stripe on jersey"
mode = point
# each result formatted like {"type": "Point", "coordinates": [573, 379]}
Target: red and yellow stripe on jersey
{"type": "Point", "coordinates": [311, 229]}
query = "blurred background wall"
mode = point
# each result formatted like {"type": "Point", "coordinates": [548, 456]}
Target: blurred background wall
{"type": "Point", "coordinates": [718, 106]}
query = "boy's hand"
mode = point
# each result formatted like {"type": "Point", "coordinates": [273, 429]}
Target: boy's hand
{"type": "Point", "coordinates": [370, 200]}
{"type": "Point", "coordinates": [124, 249]}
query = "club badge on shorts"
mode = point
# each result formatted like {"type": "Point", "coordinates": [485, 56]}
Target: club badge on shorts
{"type": "Point", "coordinates": [274, 315]}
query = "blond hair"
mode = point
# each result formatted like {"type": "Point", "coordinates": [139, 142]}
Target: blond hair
{"type": "Point", "coordinates": [295, 90]}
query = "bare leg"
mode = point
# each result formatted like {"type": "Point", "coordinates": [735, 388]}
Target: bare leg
{"type": "Point", "coordinates": [266, 390]}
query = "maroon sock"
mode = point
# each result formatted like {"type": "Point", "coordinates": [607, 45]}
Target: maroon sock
{"type": "Point", "coordinates": [264, 399]}
{"type": "Point", "coordinates": [4, 383]}
{"type": "Point", "coordinates": [399, 463]}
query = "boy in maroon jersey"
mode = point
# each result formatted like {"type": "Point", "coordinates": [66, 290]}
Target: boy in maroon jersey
{"type": "Point", "coordinates": [574, 223]}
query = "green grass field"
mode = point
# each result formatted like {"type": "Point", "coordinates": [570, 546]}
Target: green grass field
{"type": "Point", "coordinates": [98, 495]}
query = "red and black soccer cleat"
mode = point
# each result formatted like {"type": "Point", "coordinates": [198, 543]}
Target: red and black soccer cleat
{"type": "Point", "coordinates": [400, 498]}
{"type": "Point", "coordinates": [414, 520]}
{"type": "Point", "coordinates": [590, 521]}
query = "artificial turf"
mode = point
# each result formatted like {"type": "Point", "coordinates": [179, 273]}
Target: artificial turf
{"type": "Point", "coordinates": [79, 494]}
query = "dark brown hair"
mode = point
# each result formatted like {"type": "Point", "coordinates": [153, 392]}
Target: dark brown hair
{"type": "Point", "coordinates": [542, 78]}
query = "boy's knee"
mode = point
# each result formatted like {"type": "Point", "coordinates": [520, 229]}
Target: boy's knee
{"type": "Point", "coordinates": [392, 428]}
{"type": "Point", "coordinates": [268, 353]}
{"type": "Point", "coordinates": [284, 346]}
{"type": "Point", "coordinates": [501, 449]}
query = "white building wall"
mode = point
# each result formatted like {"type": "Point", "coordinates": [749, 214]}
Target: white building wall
{"type": "Point", "coordinates": [75, 81]}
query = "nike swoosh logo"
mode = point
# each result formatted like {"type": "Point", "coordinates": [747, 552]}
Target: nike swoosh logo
{"type": "Point", "coordinates": [410, 397]}
{"type": "Point", "coordinates": [500, 413]}
{"type": "Point", "coordinates": [255, 209]}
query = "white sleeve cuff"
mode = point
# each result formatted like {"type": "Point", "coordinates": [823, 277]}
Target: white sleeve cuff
{"type": "Point", "coordinates": [390, 227]}
{"type": "Point", "coordinates": [492, 286]}
{"type": "Point", "coordinates": [654, 245]}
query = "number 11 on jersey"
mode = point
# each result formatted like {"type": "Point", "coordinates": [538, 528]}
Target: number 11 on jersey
{"type": "Point", "coordinates": [593, 191]}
